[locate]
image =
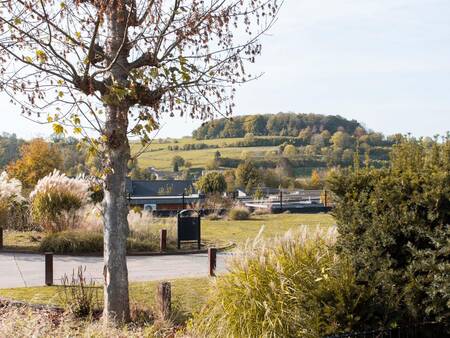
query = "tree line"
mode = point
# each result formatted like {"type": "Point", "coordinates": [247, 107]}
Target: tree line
{"type": "Point", "coordinates": [281, 124]}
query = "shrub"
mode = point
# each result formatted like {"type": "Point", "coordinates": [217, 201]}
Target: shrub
{"type": "Point", "coordinates": [71, 242]}
{"type": "Point", "coordinates": [10, 197]}
{"type": "Point", "coordinates": [239, 213]}
{"type": "Point", "coordinates": [143, 236]}
{"type": "Point", "coordinates": [294, 286]}
{"type": "Point", "coordinates": [79, 296]}
{"type": "Point", "coordinates": [394, 227]}
{"type": "Point", "coordinates": [57, 199]}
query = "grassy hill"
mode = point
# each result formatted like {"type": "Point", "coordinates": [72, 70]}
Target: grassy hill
{"type": "Point", "coordinates": [301, 142]}
{"type": "Point", "coordinates": [159, 156]}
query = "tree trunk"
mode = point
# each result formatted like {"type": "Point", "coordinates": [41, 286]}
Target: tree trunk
{"type": "Point", "coordinates": [116, 306]}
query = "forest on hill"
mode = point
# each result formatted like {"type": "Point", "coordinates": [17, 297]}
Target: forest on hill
{"type": "Point", "coordinates": [281, 124]}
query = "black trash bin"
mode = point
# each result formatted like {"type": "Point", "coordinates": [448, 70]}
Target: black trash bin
{"type": "Point", "coordinates": [188, 227]}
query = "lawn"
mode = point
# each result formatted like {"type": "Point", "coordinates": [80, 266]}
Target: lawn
{"type": "Point", "coordinates": [22, 240]}
{"type": "Point", "coordinates": [217, 233]}
{"type": "Point", "coordinates": [274, 224]}
{"type": "Point", "coordinates": [188, 294]}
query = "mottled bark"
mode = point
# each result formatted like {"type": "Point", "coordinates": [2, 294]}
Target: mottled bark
{"type": "Point", "coordinates": [116, 306]}
{"type": "Point", "coordinates": [116, 302]}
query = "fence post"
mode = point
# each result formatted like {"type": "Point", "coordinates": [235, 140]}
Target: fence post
{"type": "Point", "coordinates": [164, 300]}
{"type": "Point", "coordinates": [212, 260]}
{"type": "Point", "coordinates": [1, 238]}
{"type": "Point", "coordinates": [163, 240]}
{"type": "Point", "coordinates": [281, 200]}
{"type": "Point", "coordinates": [49, 268]}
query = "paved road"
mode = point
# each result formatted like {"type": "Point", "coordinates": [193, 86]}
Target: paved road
{"type": "Point", "coordinates": [18, 270]}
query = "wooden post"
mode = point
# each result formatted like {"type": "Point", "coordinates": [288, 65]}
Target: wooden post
{"type": "Point", "coordinates": [325, 202]}
{"type": "Point", "coordinates": [164, 300]}
{"type": "Point", "coordinates": [281, 200]}
{"type": "Point", "coordinates": [212, 259]}
{"type": "Point", "coordinates": [163, 240]}
{"type": "Point", "coordinates": [49, 268]}
{"type": "Point", "coordinates": [1, 238]}
{"type": "Point", "coordinates": [183, 201]}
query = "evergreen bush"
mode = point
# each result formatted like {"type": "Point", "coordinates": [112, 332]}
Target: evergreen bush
{"type": "Point", "coordinates": [394, 227]}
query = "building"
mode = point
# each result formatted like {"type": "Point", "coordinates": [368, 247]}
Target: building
{"type": "Point", "coordinates": [162, 195]}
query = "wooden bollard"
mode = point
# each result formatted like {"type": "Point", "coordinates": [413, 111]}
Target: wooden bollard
{"type": "Point", "coordinates": [164, 300]}
{"type": "Point", "coordinates": [49, 268]}
{"type": "Point", "coordinates": [212, 260]}
{"type": "Point", "coordinates": [163, 240]}
{"type": "Point", "coordinates": [1, 238]}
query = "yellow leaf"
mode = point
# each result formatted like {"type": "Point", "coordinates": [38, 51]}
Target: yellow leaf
{"type": "Point", "coordinates": [58, 129]}
{"type": "Point", "coordinates": [42, 57]}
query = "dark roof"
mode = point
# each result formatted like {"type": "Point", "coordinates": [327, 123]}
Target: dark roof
{"type": "Point", "coordinates": [164, 200]}
{"type": "Point", "coordinates": [141, 188]}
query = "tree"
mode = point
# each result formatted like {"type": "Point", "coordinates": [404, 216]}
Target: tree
{"type": "Point", "coordinates": [284, 168]}
{"type": "Point", "coordinates": [317, 140]}
{"type": "Point", "coordinates": [305, 135]}
{"type": "Point", "coordinates": [9, 148]}
{"type": "Point", "coordinates": [255, 124]}
{"type": "Point", "coordinates": [247, 175]}
{"type": "Point", "coordinates": [230, 179]}
{"type": "Point", "coordinates": [177, 162]}
{"type": "Point", "coordinates": [316, 181]}
{"type": "Point", "coordinates": [110, 69]}
{"type": "Point", "coordinates": [341, 140]}
{"type": "Point", "coordinates": [212, 183]}
{"type": "Point", "coordinates": [290, 151]}
{"type": "Point", "coordinates": [38, 159]}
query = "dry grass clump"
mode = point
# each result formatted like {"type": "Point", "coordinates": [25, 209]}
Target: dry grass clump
{"type": "Point", "coordinates": [239, 213]}
{"type": "Point", "coordinates": [10, 199]}
{"type": "Point", "coordinates": [293, 286]}
{"type": "Point", "coordinates": [262, 211]}
{"type": "Point", "coordinates": [57, 199]}
{"type": "Point", "coordinates": [144, 234]}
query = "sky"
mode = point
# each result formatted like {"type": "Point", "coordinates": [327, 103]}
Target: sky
{"type": "Point", "coordinates": [385, 63]}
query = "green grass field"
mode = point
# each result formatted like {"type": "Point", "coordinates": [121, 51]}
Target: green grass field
{"type": "Point", "coordinates": [159, 156]}
{"type": "Point", "coordinates": [188, 294]}
{"type": "Point", "coordinates": [274, 225]}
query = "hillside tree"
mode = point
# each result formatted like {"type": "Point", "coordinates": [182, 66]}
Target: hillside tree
{"type": "Point", "coordinates": [107, 70]}
{"type": "Point", "coordinates": [212, 183]}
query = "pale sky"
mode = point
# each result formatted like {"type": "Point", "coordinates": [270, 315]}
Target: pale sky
{"type": "Point", "coordinates": [385, 63]}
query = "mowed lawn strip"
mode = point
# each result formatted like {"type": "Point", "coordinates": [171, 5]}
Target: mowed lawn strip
{"type": "Point", "coordinates": [188, 294]}
{"type": "Point", "coordinates": [274, 225]}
